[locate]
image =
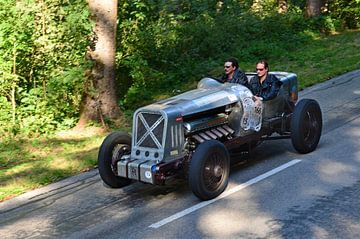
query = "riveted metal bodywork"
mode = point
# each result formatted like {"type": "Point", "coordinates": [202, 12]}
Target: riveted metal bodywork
{"type": "Point", "coordinates": [165, 133]}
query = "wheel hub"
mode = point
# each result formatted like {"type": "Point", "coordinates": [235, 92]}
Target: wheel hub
{"type": "Point", "coordinates": [118, 152]}
{"type": "Point", "coordinates": [218, 171]}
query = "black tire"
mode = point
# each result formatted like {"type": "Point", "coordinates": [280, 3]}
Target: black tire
{"type": "Point", "coordinates": [209, 170]}
{"type": "Point", "coordinates": [306, 126]}
{"type": "Point", "coordinates": [114, 146]}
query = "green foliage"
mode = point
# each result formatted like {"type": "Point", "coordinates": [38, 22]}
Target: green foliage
{"type": "Point", "coordinates": [348, 11]}
{"type": "Point", "coordinates": [179, 42]}
{"type": "Point", "coordinates": [5, 116]}
{"type": "Point", "coordinates": [163, 47]}
{"type": "Point", "coordinates": [172, 44]}
{"type": "Point", "coordinates": [43, 45]}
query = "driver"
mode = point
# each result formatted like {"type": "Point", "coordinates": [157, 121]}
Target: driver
{"type": "Point", "coordinates": [232, 73]}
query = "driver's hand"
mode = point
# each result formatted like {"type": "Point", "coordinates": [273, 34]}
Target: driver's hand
{"type": "Point", "coordinates": [257, 98]}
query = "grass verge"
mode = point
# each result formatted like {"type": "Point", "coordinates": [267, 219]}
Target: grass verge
{"type": "Point", "coordinates": [26, 164]}
{"type": "Point", "coordinates": [326, 57]}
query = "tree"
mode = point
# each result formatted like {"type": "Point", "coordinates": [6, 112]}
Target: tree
{"type": "Point", "coordinates": [14, 47]}
{"type": "Point", "coordinates": [100, 99]}
{"type": "Point", "coordinates": [313, 7]}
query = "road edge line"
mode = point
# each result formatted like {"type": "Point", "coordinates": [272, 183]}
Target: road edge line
{"type": "Point", "coordinates": [224, 194]}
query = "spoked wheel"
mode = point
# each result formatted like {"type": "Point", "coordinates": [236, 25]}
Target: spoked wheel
{"type": "Point", "coordinates": [209, 170]}
{"type": "Point", "coordinates": [113, 148]}
{"type": "Point", "coordinates": [306, 126]}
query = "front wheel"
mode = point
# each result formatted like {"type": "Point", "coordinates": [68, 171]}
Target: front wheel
{"type": "Point", "coordinates": [114, 146]}
{"type": "Point", "coordinates": [306, 126]}
{"type": "Point", "coordinates": [209, 170]}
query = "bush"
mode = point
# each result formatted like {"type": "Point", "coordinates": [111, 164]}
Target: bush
{"type": "Point", "coordinates": [43, 46]}
{"type": "Point", "coordinates": [348, 11]}
{"type": "Point", "coordinates": [167, 57]}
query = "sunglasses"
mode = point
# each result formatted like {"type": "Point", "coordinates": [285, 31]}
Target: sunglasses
{"type": "Point", "coordinates": [227, 66]}
{"type": "Point", "coordinates": [258, 69]}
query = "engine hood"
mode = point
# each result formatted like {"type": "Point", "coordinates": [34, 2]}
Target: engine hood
{"type": "Point", "coordinates": [209, 94]}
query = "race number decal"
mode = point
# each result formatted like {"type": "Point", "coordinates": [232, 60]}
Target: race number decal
{"type": "Point", "coordinates": [252, 115]}
{"type": "Point", "coordinates": [248, 105]}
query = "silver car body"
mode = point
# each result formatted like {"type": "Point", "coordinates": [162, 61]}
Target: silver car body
{"type": "Point", "coordinates": [161, 130]}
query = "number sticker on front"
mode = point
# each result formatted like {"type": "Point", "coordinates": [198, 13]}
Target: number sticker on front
{"type": "Point", "coordinates": [252, 115]}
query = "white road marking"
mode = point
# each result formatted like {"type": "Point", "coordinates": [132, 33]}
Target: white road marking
{"type": "Point", "coordinates": [224, 194]}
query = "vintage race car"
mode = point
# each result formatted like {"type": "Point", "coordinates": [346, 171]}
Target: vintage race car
{"type": "Point", "coordinates": [193, 134]}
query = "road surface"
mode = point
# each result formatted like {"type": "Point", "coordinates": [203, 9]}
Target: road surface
{"type": "Point", "coordinates": [278, 194]}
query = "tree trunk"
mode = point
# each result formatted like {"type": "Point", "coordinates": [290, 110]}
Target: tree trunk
{"type": "Point", "coordinates": [13, 104]}
{"type": "Point", "coordinates": [13, 87]}
{"type": "Point", "coordinates": [313, 8]}
{"type": "Point", "coordinates": [100, 99]}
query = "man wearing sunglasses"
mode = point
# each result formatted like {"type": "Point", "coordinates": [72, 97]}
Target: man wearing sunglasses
{"type": "Point", "coordinates": [232, 73]}
{"type": "Point", "coordinates": [264, 86]}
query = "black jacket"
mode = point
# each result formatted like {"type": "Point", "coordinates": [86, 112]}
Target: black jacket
{"type": "Point", "coordinates": [239, 78]}
{"type": "Point", "coordinates": [268, 90]}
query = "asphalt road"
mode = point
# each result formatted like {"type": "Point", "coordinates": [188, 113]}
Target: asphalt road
{"type": "Point", "coordinates": [278, 194]}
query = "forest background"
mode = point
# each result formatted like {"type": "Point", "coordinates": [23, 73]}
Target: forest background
{"type": "Point", "coordinates": [48, 70]}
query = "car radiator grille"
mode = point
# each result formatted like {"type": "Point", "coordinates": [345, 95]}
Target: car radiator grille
{"type": "Point", "coordinates": [150, 130]}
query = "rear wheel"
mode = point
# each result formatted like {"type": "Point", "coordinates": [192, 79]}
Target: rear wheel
{"type": "Point", "coordinates": [114, 146]}
{"type": "Point", "coordinates": [306, 126]}
{"type": "Point", "coordinates": [209, 170]}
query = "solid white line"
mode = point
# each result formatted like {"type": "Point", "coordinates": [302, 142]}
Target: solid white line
{"type": "Point", "coordinates": [224, 194]}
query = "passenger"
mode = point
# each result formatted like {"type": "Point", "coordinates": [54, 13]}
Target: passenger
{"type": "Point", "coordinates": [264, 86]}
{"type": "Point", "coordinates": [232, 73]}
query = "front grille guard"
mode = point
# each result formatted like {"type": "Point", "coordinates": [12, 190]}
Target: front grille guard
{"type": "Point", "coordinates": [149, 135]}
{"type": "Point", "coordinates": [154, 136]}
